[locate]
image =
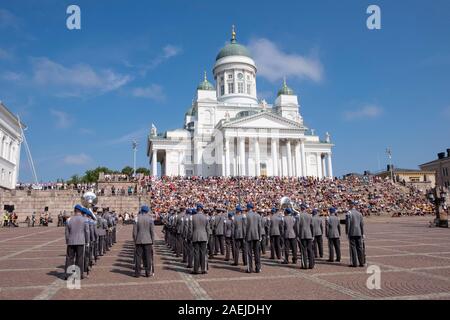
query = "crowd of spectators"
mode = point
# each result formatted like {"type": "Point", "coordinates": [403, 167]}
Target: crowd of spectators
{"type": "Point", "coordinates": [375, 196]}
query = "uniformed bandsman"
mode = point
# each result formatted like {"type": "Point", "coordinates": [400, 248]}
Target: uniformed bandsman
{"type": "Point", "coordinates": [229, 246]}
{"type": "Point", "coordinates": [219, 231]}
{"type": "Point", "coordinates": [239, 229]}
{"type": "Point", "coordinates": [253, 237]}
{"type": "Point", "coordinates": [354, 228]}
{"type": "Point", "coordinates": [143, 236]}
{"type": "Point", "coordinates": [199, 234]}
{"type": "Point", "coordinates": [333, 234]}
{"type": "Point", "coordinates": [77, 236]}
{"type": "Point", "coordinates": [305, 234]}
{"type": "Point", "coordinates": [290, 236]}
{"type": "Point", "coordinates": [317, 234]}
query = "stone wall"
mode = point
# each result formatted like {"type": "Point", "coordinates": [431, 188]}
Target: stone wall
{"type": "Point", "coordinates": [25, 202]}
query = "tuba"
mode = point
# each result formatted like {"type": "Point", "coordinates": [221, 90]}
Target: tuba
{"type": "Point", "coordinates": [89, 200]}
{"type": "Point", "coordinates": [286, 202]}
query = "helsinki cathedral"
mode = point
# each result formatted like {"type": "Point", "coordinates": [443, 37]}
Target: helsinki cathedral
{"type": "Point", "coordinates": [229, 132]}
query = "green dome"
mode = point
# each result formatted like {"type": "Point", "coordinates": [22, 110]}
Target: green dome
{"type": "Point", "coordinates": [233, 49]}
{"type": "Point", "coordinates": [285, 90]}
{"type": "Point", "coordinates": [206, 85]}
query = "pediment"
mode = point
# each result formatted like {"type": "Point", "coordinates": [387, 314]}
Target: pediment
{"type": "Point", "coordinates": [266, 120]}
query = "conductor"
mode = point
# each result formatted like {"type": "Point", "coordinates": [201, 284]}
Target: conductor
{"type": "Point", "coordinates": [143, 237]}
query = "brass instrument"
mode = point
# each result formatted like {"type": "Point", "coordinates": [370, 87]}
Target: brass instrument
{"type": "Point", "coordinates": [286, 202]}
{"type": "Point", "coordinates": [89, 200]}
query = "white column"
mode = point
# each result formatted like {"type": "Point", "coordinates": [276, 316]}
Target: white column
{"type": "Point", "coordinates": [154, 163]}
{"type": "Point", "coordinates": [274, 157]}
{"type": "Point", "coordinates": [227, 157]}
{"type": "Point", "coordinates": [219, 165]}
{"type": "Point", "coordinates": [257, 158]}
{"type": "Point", "coordinates": [318, 162]}
{"type": "Point", "coordinates": [303, 158]}
{"type": "Point", "coordinates": [289, 158]}
{"type": "Point", "coordinates": [298, 165]}
{"type": "Point", "coordinates": [329, 166]}
{"type": "Point", "coordinates": [242, 156]}
{"type": "Point", "coordinates": [323, 166]}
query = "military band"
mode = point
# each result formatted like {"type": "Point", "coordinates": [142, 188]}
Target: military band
{"type": "Point", "coordinates": [197, 235]}
{"type": "Point", "coordinates": [89, 232]}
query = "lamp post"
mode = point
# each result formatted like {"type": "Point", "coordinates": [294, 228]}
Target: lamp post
{"type": "Point", "coordinates": [134, 145]}
{"type": "Point", "coordinates": [238, 167]}
{"type": "Point", "coordinates": [389, 153]}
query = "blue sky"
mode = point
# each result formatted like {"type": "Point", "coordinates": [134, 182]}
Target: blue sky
{"type": "Point", "coordinates": [84, 94]}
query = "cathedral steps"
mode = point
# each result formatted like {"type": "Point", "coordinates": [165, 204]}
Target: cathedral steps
{"type": "Point", "coordinates": [26, 202]}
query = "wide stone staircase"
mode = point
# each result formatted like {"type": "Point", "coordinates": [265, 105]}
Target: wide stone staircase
{"type": "Point", "coordinates": [28, 201]}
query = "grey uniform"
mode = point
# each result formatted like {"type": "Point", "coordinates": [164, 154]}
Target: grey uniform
{"type": "Point", "coordinates": [305, 234]}
{"type": "Point", "coordinates": [290, 238]}
{"type": "Point", "coordinates": [228, 227]}
{"type": "Point", "coordinates": [264, 223]}
{"type": "Point", "coordinates": [333, 233]}
{"type": "Point", "coordinates": [189, 244]}
{"type": "Point", "coordinates": [355, 229]}
{"type": "Point", "coordinates": [77, 236]}
{"type": "Point", "coordinates": [276, 227]}
{"type": "Point", "coordinates": [253, 236]}
{"type": "Point", "coordinates": [239, 229]}
{"type": "Point", "coordinates": [143, 236]}
{"type": "Point", "coordinates": [200, 234]}
{"type": "Point", "coordinates": [179, 234]}
{"type": "Point", "coordinates": [317, 234]}
{"type": "Point", "coordinates": [219, 236]}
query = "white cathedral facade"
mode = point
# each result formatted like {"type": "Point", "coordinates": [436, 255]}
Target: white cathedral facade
{"type": "Point", "coordinates": [229, 132]}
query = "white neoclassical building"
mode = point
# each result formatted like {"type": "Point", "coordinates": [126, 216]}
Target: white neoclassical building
{"type": "Point", "coordinates": [10, 142]}
{"type": "Point", "coordinates": [229, 132]}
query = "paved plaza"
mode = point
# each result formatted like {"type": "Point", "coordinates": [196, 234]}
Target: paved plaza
{"type": "Point", "coordinates": [414, 261]}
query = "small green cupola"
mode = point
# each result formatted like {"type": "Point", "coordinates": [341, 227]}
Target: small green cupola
{"type": "Point", "coordinates": [205, 84]}
{"type": "Point", "coordinates": [285, 90]}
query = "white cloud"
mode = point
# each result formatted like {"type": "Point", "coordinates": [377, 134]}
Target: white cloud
{"type": "Point", "coordinates": [273, 64]}
{"type": "Point", "coordinates": [153, 91]}
{"type": "Point", "coordinates": [169, 51]}
{"type": "Point", "coordinates": [365, 112]}
{"type": "Point", "coordinates": [76, 80]}
{"type": "Point", "coordinates": [129, 137]}
{"type": "Point", "coordinates": [77, 159]}
{"type": "Point", "coordinates": [8, 20]}
{"type": "Point", "coordinates": [12, 76]}
{"type": "Point", "coordinates": [63, 119]}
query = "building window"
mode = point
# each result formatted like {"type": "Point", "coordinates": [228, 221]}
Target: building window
{"type": "Point", "coordinates": [240, 87]}
{"type": "Point", "coordinates": [222, 90]}
{"type": "Point", "coordinates": [249, 88]}
{"type": "Point", "coordinates": [3, 174]}
{"type": "Point", "coordinates": [10, 177]}
{"type": "Point", "coordinates": [231, 88]}
{"type": "Point", "coordinates": [230, 76]}
{"type": "Point", "coordinates": [221, 79]}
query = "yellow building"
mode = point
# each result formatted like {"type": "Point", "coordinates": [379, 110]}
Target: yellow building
{"type": "Point", "coordinates": [421, 179]}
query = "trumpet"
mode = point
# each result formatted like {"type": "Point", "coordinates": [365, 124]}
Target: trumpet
{"type": "Point", "coordinates": [286, 202]}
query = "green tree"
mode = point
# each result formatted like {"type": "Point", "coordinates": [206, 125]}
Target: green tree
{"type": "Point", "coordinates": [74, 179]}
{"type": "Point", "coordinates": [143, 170]}
{"type": "Point", "coordinates": [92, 175]}
{"type": "Point", "coordinates": [128, 171]}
